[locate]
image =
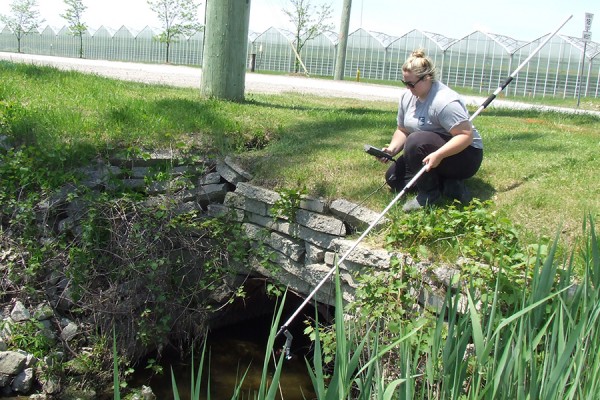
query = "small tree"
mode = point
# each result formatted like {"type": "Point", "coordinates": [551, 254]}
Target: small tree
{"type": "Point", "coordinates": [309, 21]}
{"type": "Point", "coordinates": [73, 15]}
{"type": "Point", "coordinates": [178, 17]}
{"type": "Point", "coordinates": [25, 19]}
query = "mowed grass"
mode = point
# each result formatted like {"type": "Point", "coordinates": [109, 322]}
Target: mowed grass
{"type": "Point", "coordinates": [542, 167]}
{"type": "Point", "coordinates": [539, 168]}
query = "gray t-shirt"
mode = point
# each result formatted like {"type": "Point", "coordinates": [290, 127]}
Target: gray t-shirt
{"type": "Point", "coordinates": [440, 112]}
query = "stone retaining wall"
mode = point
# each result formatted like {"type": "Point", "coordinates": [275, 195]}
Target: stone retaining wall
{"type": "Point", "coordinates": [304, 246]}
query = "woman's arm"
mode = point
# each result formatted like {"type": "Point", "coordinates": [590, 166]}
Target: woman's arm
{"type": "Point", "coordinates": [462, 137]}
{"type": "Point", "coordinates": [397, 143]}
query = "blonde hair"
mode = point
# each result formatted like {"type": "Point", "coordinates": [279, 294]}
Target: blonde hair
{"type": "Point", "coordinates": [419, 64]}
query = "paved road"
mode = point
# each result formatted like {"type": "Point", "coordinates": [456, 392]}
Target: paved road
{"type": "Point", "coordinates": [182, 76]}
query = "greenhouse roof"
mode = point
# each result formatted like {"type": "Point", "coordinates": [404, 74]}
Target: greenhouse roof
{"type": "Point", "coordinates": [592, 49]}
{"type": "Point", "coordinates": [50, 30]}
{"type": "Point", "coordinates": [104, 31]}
{"type": "Point", "coordinates": [147, 32]}
{"type": "Point", "coordinates": [252, 36]}
{"type": "Point", "coordinates": [383, 38]}
{"type": "Point", "coordinates": [511, 45]}
{"type": "Point", "coordinates": [126, 31]}
{"type": "Point", "coordinates": [289, 36]}
{"type": "Point", "coordinates": [334, 37]}
{"type": "Point", "coordinates": [442, 41]}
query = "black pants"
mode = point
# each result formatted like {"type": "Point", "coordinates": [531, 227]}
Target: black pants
{"type": "Point", "coordinates": [418, 145]}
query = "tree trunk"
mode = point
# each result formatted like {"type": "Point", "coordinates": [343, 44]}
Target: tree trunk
{"type": "Point", "coordinates": [225, 49]}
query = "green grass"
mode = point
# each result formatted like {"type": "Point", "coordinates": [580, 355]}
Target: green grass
{"type": "Point", "coordinates": [539, 168]}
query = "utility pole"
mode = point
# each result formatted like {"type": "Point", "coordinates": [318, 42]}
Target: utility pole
{"type": "Point", "coordinates": [340, 62]}
{"type": "Point", "coordinates": [225, 49]}
{"type": "Point", "coordinates": [586, 37]}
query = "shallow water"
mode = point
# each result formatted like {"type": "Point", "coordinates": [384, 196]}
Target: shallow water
{"type": "Point", "coordinates": [235, 351]}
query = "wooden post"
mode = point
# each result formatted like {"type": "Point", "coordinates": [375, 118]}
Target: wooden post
{"type": "Point", "coordinates": [225, 49]}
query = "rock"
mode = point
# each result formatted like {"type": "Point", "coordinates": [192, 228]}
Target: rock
{"type": "Point", "coordinates": [231, 172]}
{"type": "Point", "coordinates": [43, 312]}
{"type": "Point", "coordinates": [20, 313]}
{"type": "Point", "coordinates": [5, 380]}
{"type": "Point", "coordinates": [51, 386]}
{"type": "Point", "coordinates": [11, 362]}
{"type": "Point", "coordinates": [321, 223]}
{"type": "Point", "coordinates": [147, 393]}
{"type": "Point", "coordinates": [313, 204]}
{"type": "Point", "coordinates": [354, 214]}
{"type": "Point", "coordinates": [23, 381]}
{"type": "Point", "coordinates": [210, 179]}
{"type": "Point", "coordinates": [362, 254]}
{"type": "Point", "coordinates": [257, 193]}
{"type": "Point", "coordinates": [207, 194]}
{"type": "Point", "coordinates": [69, 331]}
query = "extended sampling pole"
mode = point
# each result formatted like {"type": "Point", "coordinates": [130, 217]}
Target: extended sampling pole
{"type": "Point", "coordinates": [284, 327]}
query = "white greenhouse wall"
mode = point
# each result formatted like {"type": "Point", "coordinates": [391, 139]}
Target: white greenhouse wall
{"type": "Point", "coordinates": [479, 61]}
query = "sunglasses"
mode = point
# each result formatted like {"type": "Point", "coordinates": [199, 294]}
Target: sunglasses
{"type": "Point", "coordinates": [412, 85]}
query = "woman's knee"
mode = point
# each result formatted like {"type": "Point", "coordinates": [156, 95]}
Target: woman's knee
{"type": "Point", "coordinates": [421, 140]}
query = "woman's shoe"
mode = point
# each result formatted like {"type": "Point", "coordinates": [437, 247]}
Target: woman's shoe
{"type": "Point", "coordinates": [457, 190]}
{"type": "Point", "coordinates": [423, 199]}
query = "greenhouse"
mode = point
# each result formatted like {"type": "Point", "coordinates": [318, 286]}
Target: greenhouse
{"type": "Point", "coordinates": [565, 67]}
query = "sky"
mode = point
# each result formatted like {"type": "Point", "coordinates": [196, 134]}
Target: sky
{"type": "Point", "coordinates": [519, 19]}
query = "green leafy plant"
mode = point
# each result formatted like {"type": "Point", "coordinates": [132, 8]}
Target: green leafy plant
{"type": "Point", "coordinates": [477, 234]}
{"type": "Point", "coordinates": [10, 114]}
{"type": "Point", "coordinates": [30, 336]}
{"type": "Point", "coordinates": [288, 203]}
{"type": "Point", "coordinates": [386, 298]}
{"type": "Point", "coordinates": [476, 231]}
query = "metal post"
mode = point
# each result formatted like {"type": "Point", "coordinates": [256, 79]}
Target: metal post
{"type": "Point", "coordinates": [586, 37]}
{"type": "Point", "coordinates": [580, 77]}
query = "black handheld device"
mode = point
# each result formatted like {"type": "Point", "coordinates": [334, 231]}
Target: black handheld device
{"type": "Point", "coordinates": [374, 151]}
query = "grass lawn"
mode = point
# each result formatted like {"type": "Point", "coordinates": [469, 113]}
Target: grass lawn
{"type": "Point", "coordinates": [539, 167]}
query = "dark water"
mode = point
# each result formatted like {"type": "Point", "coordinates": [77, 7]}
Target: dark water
{"type": "Point", "coordinates": [233, 351]}
{"type": "Point", "coordinates": [229, 361]}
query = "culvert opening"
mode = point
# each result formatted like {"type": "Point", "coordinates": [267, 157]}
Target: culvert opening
{"type": "Point", "coordinates": [252, 314]}
{"type": "Point", "coordinates": [236, 345]}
